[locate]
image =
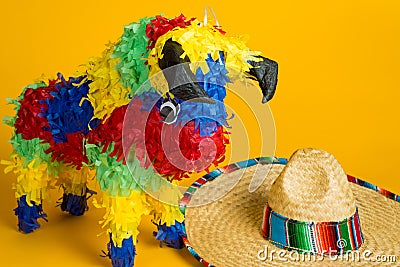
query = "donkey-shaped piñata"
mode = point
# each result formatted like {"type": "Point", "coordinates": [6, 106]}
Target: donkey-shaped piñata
{"type": "Point", "coordinates": [114, 122]}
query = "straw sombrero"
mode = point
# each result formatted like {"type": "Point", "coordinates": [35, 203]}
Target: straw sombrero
{"type": "Point", "coordinates": [306, 211]}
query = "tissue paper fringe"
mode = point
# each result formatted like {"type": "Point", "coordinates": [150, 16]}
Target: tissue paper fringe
{"type": "Point", "coordinates": [121, 256]}
{"type": "Point", "coordinates": [33, 181]}
{"type": "Point", "coordinates": [28, 214]}
{"type": "Point", "coordinates": [170, 235]}
{"type": "Point", "coordinates": [76, 193]}
{"type": "Point", "coordinates": [132, 53]}
{"type": "Point", "coordinates": [106, 92]}
{"type": "Point", "coordinates": [161, 25]}
{"type": "Point", "coordinates": [205, 39]}
{"type": "Point", "coordinates": [123, 214]}
{"type": "Point", "coordinates": [75, 181]}
{"type": "Point", "coordinates": [76, 204]}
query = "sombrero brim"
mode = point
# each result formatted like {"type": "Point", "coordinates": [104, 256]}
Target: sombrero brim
{"type": "Point", "coordinates": [226, 232]}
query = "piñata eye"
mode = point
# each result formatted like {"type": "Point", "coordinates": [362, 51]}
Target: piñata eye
{"type": "Point", "coordinates": [169, 111]}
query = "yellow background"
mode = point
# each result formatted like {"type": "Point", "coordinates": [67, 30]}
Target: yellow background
{"type": "Point", "coordinates": [338, 90]}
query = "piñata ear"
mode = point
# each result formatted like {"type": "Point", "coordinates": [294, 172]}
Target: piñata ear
{"type": "Point", "coordinates": [172, 52]}
{"type": "Point", "coordinates": [266, 73]}
{"type": "Point", "coordinates": [181, 80]}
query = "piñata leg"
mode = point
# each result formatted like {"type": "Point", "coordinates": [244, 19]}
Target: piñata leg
{"type": "Point", "coordinates": [122, 218]}
{"type": "Point", "coordinates": [170, 235]}
{"type": "Point", "coordinates": [167, 217]}
{"type": "Point", "coordinates": [76, 192]}
{"type": "Point", "coordinates": [32, 184]}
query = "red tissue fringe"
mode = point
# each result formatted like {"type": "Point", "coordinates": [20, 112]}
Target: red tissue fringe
{"type": "Point", "coordinates": [150, 151]}
{"type": "Point", "coordinates": [161, 25]}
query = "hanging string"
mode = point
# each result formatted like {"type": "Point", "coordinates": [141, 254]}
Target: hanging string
{"type": "Point", "coordinates": [206, 16]}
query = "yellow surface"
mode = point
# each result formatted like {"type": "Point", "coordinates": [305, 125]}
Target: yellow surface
{"type": "Point", "coordinates": [338, 90]}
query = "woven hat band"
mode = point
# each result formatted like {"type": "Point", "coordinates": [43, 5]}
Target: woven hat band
{"type": "Point", "coordinates": [325, 238]}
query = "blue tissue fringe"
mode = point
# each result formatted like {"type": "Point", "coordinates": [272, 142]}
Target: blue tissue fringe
{"type": "Point", "coordinates": [65, 112]}
{"type": "Point", "coordinates": [74, 204]}
{"type": "Point", "coordinates": [214, 81]}
{"type": "Point", "coordinates": [121, 256]}
{"type": "Point", "coordinates": [209, 116]}
{"type": "Point", "coordinates": [28, 215]}
{"type": "Point", "coordinates": [170, 235]}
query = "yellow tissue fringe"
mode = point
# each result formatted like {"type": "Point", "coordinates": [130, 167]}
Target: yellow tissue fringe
{"type": "Point", "coordinates": [44, 79]}
{"type": "Point", "coordinates": [166, 213]}
{"type": "Point", "coordinates": [32, 181]}
{"type": "Point", "coordinates": [74, 181]}
{"type": "Point", "coordinates": [198, 41]}
{"type": "Point", "coordinates": [123, 214]}
{"type": "Point", "coordinates": [106, 92]}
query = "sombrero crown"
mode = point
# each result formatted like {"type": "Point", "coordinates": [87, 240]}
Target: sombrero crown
{"type": "Point", "coordinates": [311, 207]}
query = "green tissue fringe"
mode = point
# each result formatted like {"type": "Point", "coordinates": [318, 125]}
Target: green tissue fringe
{"type": "Point", "coordinates": [133, 54]}
{"type": "Point", "coordinates": [34, 149]}
{"type": "Point", "coordinates": [116, 178]}
{"type": "Point", "coordinates": [30, 149]}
